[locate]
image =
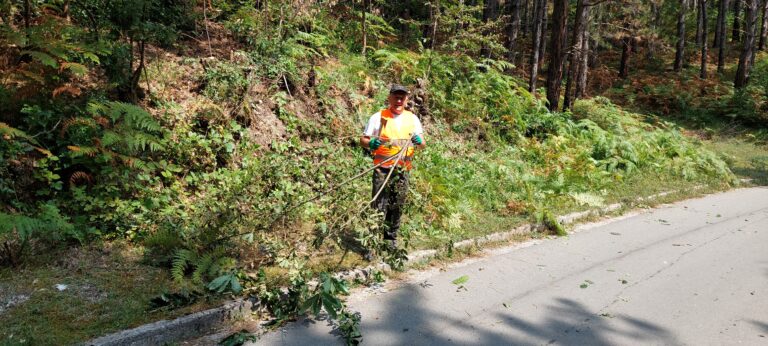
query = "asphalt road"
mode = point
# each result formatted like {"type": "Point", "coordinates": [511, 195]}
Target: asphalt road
{"type": "Point", "coordinates": [695, 272]}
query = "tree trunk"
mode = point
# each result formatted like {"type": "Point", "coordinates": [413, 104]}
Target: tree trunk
{"type": "Point", "coordinates": [703, 10]}
{"type": "Point", "coordinates": [569, 72]}
{"type": "Point", "coordinates": [405, 31]}
{"type": "Point", "coordinates": [581, 75]}
{"type": "Point", "coordinates": [651, 42]}
{"type": "Point", "coordinates": [490, 13]}
{"type": "Point", "coordinates": [598, 16]}
{"type": "Point", "coordinates": [763, 28]}
{"type": "Point", "coordinates": [27, 14]}
{"type": "Point", "coordinates": [135, 89]}
{"type": "Point", "coordinates": [490, 10]}
{"type": "Point", "coordinates": [722, 7]}
{"type": "Point", "coordinates": [747, 51]}
{"type": "Point", "coordinates": [626, 51]}
{"type": "Point", "coordinates": [758, 10]}
{"type": "Point", "coordinates": [680, 53]}
{"type": "Point", "coordinates": [525, 21]}
{"type": "Point", "coordinates": [543, 44]}
{"type": "Point", "coordinates": [723, 42]}
{"type": "Point", "coordinates": [365, 26]}
{"type": "Point", "coordinates": [65, 11]}
{"type": "Point", "coordinates": [633, 42]}
{"type": "Point", "coordinates": [435, 15]}
{"type": "Point", "coordinates": [539, 9]}
{"type": "Point", "coordinates": [557, 54]}
{"type": "Point", "coordinates": [513, 28]}
{"type": "Point", "coordinates": [735, 33]}
{"type": "Point", "coordinates": [579, 33]}
{"type": "Point", "coordinates": [700, 23]}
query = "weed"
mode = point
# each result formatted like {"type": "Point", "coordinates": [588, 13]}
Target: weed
{"type": "Point", "coordinates": [186, 181]}
{"type": "Point", "coordinates": [586, 284]}
{"type": "Point", "coordinates": [349, 326]}
{"type": "Point", "coordinates": [461, 280]}
{"type": "Point", "coordinates": [238, 338]}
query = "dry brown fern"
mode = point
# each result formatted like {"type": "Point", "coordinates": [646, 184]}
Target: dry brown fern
{"type": "Point", "coordinates": [67, 123]}
{"type": "Point", "coordinates": [80, 178]}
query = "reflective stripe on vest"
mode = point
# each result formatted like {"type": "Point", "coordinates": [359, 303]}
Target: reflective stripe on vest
{"type": "Point", "coordinates": [393, 131]}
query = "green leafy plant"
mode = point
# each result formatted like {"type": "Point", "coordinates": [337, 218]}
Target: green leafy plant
{"type": "Point", "coordinates": [325, 297]}
{"type": "Point", "coordinates": [175, 300]}
{"type": "Point", "coordinates": [239, 338]}
{"type": "Point", "coordinates": [213, 268]}
{"type": "Point", "coordinates": [461, 280]}
{"type": "Point", "coordinates": [226, 282]}
{"type": "Point", "coordinates": [349, 326]}
{"type": "Point", "coordinates": [114, 131]}
{"type": "Point", "coordinates": [17, 231]}
{"type": "Point", "coordinates": [550, 221]}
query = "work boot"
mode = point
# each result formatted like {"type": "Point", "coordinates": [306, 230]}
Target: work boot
{"type": "Point", "coordinates": [392, 243]}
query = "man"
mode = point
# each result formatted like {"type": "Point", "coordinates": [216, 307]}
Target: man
{"type": "Point", "coordinates": [388, 132]}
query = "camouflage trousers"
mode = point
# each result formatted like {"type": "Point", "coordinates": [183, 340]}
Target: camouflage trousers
{"type": "Point", "coordinates": [391, 199]}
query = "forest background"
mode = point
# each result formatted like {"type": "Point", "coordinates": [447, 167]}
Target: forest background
{"type": "Point", "coordinates": [157, 156]}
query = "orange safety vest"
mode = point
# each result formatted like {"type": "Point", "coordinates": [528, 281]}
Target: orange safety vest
{"type": "Point", "coordinates": [392, 131]}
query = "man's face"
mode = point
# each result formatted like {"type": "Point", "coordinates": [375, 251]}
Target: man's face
{"type": "Point", "coordinates": [397, 102]}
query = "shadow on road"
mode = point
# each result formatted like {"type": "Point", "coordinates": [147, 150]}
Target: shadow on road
{"type": "Point", "coordinates": [567, 321]}
{"type": "Point", "coordinates": [762, 325]}
{"type": "Point", "coordinates": [570, 322]}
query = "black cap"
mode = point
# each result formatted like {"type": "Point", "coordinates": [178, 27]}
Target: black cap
{"type": "Point", "coordinates": [397, 88]}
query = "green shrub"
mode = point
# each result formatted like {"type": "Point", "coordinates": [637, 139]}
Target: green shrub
{"type": "Point", "coordinates": [750, 105]}
{"type": "Point", "coordinates": [17, 231]}
{"type": "Point", "coordinates": [225, 81]}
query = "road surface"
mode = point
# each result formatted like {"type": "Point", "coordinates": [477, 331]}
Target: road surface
{"type": "Point", "coordinates": [694, 272]}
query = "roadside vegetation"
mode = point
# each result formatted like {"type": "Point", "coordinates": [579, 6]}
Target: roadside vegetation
{"type": "Point", "coordinates": [160, 157]}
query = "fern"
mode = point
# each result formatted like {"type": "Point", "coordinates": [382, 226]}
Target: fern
{"type": "Point", "coordinates": [6, 131]}
{"type": "Point", "coordinates": [317, 42]}
{"type": "Point", "coordinates": [42, 57]}
{"type": "Point", "coordinates": [55, 49]}
{"type": "Point", "coordinates": [23, 225]}
{"type": "Point", "coordinates": [402, 63]}
{"type": "Point", "coordinates": [17, 230]}
{"type": "Point", "coordinates": [77, 121]}
{"type": "Point", "coordinates": [117, 131]}
{"type": "Point", "coordinates": [181, 260]}
{"type": "Point", "coordinates": [49, 223]}
{"type": "Point", "coordinates": [133, 116]}
{"type": "Point", "coordinates": [77, 69]}
{"type": "Point", "coordinates": [163, 244]}
{"type": "Point", "coordinates": [203, 265]}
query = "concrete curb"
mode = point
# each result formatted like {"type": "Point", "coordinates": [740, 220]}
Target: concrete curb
{"type": "Point", "coordinates": [420, 256]}
{"type": "Point", "coordinates": [205, 322]}
{"type": "Point", "coordinates": [183, 328]}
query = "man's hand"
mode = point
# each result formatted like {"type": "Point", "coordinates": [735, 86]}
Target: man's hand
{"type": "Point", "coordinates": [374, 143]}
{"type": "Point", "coordinates": [417, 140]}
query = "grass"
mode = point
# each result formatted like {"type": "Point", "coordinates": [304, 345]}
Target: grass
{"type": "Point", "coordinates": [747, 159]}
{"type": "Point", "coordinates": [463, 189]}
{"type": "Point", "coordinates": [108, 289]}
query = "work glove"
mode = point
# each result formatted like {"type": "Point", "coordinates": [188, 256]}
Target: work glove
{"type": "Point", "coordinates": [374, 143]}
{"type": "Point", "coordinates": [417, 140]}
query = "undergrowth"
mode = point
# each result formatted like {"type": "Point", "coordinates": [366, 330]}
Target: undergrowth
{"type": "Point", "coordinates": [197, 182]}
